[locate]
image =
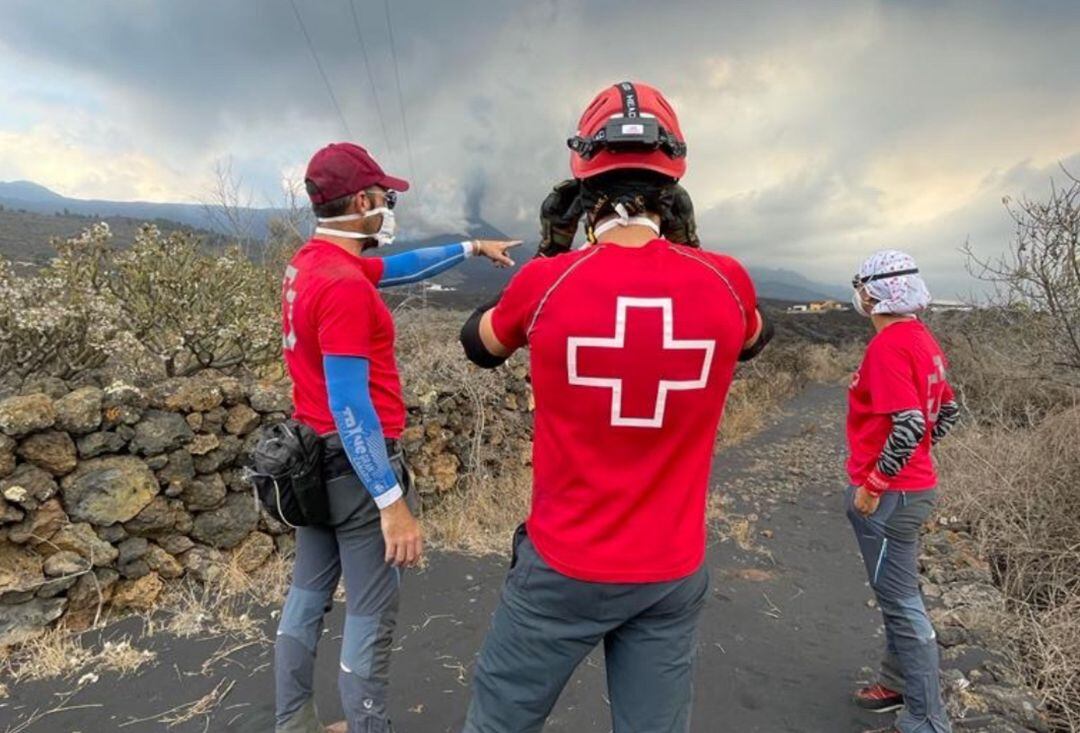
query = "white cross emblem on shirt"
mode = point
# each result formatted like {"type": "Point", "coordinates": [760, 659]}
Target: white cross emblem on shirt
{"type": "Point", "coordinates": [618, 341]}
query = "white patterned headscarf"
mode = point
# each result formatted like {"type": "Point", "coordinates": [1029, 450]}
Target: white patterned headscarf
{"type": "Point", "coordinates": [891, 277]}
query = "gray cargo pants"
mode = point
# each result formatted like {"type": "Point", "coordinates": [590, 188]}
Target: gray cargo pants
{"type": "Point", "coordinates": [889, 543]}
{"type": "Point", "coordinates": [352, 547]}
{"type": "Point", "coordinates": [547, 623]}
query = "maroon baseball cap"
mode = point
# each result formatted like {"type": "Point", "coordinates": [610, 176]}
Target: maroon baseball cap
{"type": "Point", "coordinates": [342, 169]}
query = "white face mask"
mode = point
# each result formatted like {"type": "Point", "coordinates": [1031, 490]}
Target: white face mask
{"type": "Point", "coordinates": [857, 301]}
{"type": "Point", "coordinates": [383, 237]}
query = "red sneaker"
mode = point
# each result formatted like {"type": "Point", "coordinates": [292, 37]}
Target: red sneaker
{"type": "Point", "coordinates": [879, 699]}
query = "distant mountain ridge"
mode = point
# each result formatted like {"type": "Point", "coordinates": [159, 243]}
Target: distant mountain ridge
{"type": "Point", "coordinates": [783, 284]}
{"type": "Point", "coordinates": [472, 277]}
{"type": "Point", "coordinates": [30, 196]}
{"type": "Point", "coordinates": [27, 191]}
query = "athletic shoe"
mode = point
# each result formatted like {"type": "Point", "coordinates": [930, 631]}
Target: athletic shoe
{"type": "Point", "coordinates": [337, 727]}
{"type": "Point", "coordinates": [879, 699]}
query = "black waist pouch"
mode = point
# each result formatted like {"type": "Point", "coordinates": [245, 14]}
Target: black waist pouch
{"type": "Point", "coordinates": [287, 473]}
{"type": "Point", "coordinates": [347, 493]}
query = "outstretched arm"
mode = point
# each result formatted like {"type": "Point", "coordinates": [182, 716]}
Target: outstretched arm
{"type": "Point", "coordinates": [421, 264]}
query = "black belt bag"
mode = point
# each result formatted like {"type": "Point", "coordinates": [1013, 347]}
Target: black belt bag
{"type": "Point", "coordinates": [287, 471]}
{"type": "Point", "coordinates": [349, 498]}
{"type": "Point", "coordinates": [336, 461]}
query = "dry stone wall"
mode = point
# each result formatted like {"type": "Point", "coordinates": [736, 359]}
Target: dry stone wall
{"type": "Point", "coordinates": [108, 492]}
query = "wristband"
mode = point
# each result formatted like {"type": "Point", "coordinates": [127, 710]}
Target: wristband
{"type": "Point", "coordinates": [389, 496]}
{"type": "Point", "coordinates": [470, 247]}
{"type": "Point", "coordinates": [876, 483]}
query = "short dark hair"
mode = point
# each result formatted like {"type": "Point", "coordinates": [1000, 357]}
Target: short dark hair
{"type": "Point", "coordinates": [638, 189]}
{"type": "Point", "coordinates": [336, 207]}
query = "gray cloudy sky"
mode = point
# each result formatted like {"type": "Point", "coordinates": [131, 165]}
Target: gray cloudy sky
{"type": "Point", "coordinates": [818, 131]}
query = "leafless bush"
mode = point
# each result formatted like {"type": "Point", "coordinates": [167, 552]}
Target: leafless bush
{"type": "Point", "coordinates": [288, 229]}
{"type": "Point", "coordinates": [1011, 473]}
{"type": "Point", "coordinates": [1016, 489]}
{"type": "Point", "coordinates": [996, 376]}
{"type": "Point", "coordinates": [1040, 275]}
{"type": "Point", "coordinates": [229, 207]}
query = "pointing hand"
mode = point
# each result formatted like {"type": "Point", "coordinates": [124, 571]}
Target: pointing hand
{"type": "Point", "coordinates": [495, 250]}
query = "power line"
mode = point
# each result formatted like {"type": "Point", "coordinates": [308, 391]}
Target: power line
{"type": "Point", "coordinates": [318, 65]}
{"type": "Point", "coordinates": [370, 75]}
{"type": "Point", "coordinates": [397, 79]}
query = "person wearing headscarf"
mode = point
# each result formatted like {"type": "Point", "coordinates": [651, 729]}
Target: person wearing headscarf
{"type": "Point", "coordinates": [899, 405]}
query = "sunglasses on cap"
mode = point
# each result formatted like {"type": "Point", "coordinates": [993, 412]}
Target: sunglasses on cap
{"type": "Point", "coordinates": [857, 282]}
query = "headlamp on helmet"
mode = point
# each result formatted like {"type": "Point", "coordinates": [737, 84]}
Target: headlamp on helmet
{"type": "Point", "coordinates": [630, 134]}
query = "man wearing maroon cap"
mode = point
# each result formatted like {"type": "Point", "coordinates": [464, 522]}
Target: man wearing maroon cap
{"type": "Point", "coordinates": [338, 339]}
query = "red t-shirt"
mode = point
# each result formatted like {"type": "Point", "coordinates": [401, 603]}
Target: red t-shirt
{"type": "Point", "coordinates": [633, 351]}
{"type": "Point", "coordinates": [903, 369]}
{"type": "Point", "coordinates": [329, 306]}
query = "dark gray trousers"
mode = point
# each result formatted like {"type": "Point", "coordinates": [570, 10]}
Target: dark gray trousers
{"type": "Point", "coordinates": [547, 623]}
{"type": "Point", "coordinates": [889, 543]}
{"type": "Point", "coordinates": [353, 548]}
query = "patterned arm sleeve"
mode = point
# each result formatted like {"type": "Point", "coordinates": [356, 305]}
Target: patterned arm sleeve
{"type": "Point", "coordinates": [908, 431]}
{"type": "Point", "coordinates": [947, 417]}
{"type": "Point", "coordinates": [359, 428]}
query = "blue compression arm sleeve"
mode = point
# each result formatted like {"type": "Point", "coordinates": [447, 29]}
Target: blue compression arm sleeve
{"type": "Point", "coordinates": [420, 264]}
{"type": "Point", "coordinates": [359, 428]}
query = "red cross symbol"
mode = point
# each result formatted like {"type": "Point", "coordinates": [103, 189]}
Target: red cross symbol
{"type": "Point", "coordinates": [650, 360]}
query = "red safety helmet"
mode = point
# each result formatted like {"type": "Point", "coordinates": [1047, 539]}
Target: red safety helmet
{"type": "Point", "coordinates": [628, 125]}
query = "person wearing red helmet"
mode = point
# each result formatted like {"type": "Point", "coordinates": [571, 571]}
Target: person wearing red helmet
{"type": "Point", "coordinates": [633, 343]}
{"type": "Point", "coordinates": [338, 343]}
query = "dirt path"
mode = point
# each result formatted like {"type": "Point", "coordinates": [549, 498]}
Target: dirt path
{"type": "Point", "coordinates": [784, 637]}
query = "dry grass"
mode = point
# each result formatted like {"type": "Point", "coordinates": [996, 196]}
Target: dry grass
{"type": "Point", "coordinates": [481, 517]}
{"type": "Point", "coordinates": [222, 605]}
{"type": "Point", "coordinates": [1016, 488]}
{"type": "Point", "coordinates": [202, 707]}
{"type": "Point", "coordinates": [755, 398]}
{"type": "Point", "coordinates": [56, 653]}
{"type": "Point", "coordinates": [121, 657]}
{"type": "Point", "coordinates": [59, 653]}
{"type": "Point", "coordinates": [492, 496]}
{"type": "Point", "coordinates": [831, 364]}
